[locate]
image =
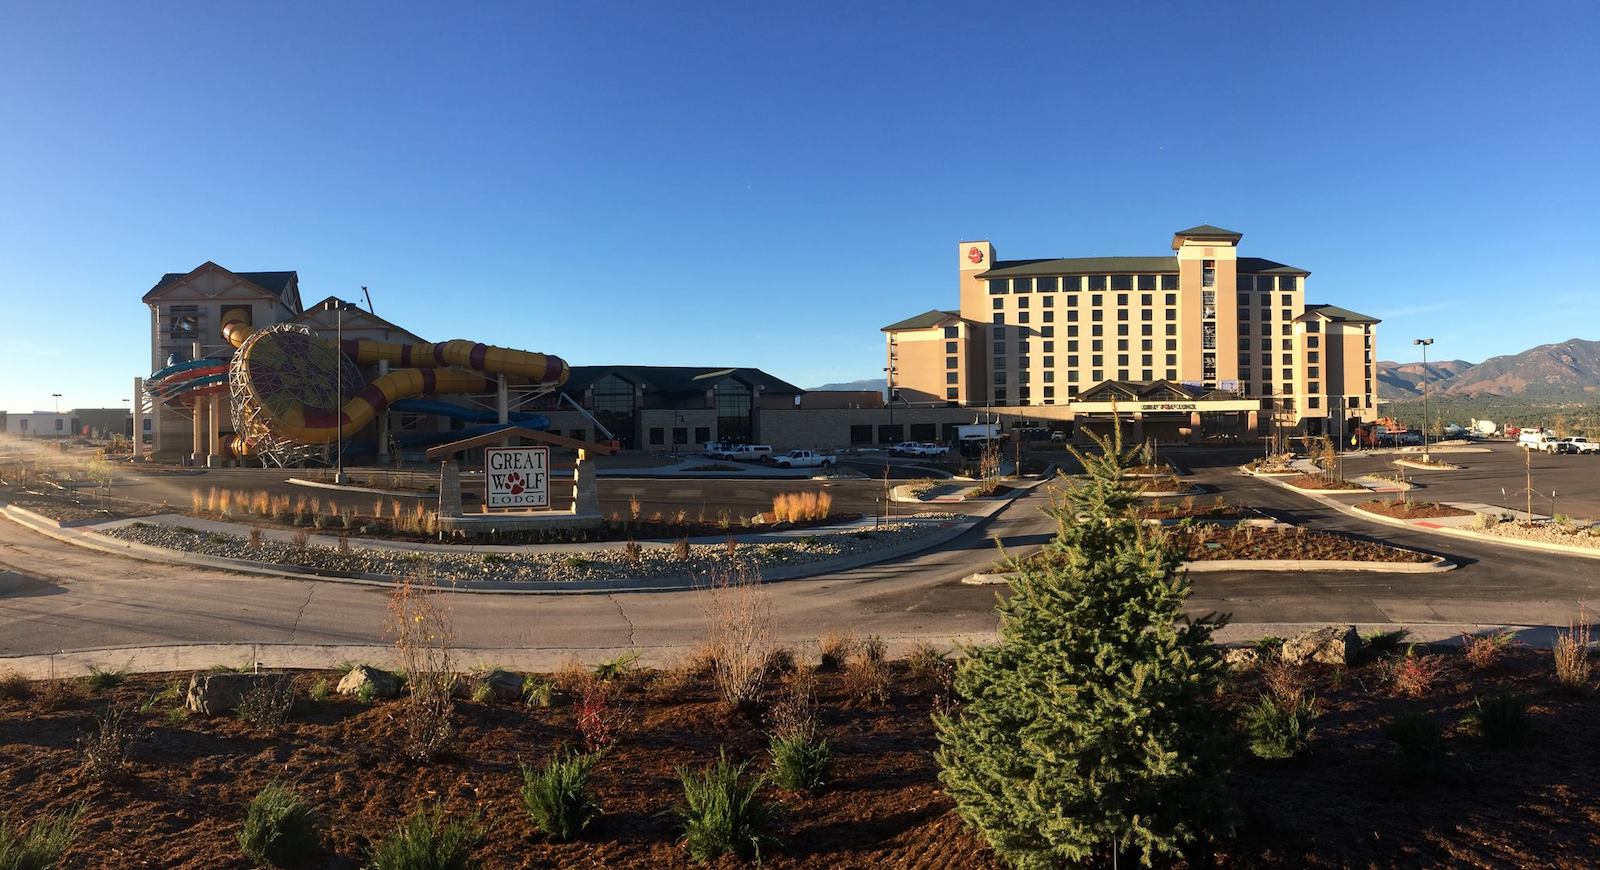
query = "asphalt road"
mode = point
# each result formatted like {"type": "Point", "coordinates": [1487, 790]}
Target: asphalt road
{"type": "Point", "coordinates": [76, 599]}
{"type": "Point", "coordinates": [1575, 479]}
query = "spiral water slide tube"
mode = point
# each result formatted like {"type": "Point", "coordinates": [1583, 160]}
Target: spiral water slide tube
{"type": "Point", "coordinates": [293, 382]}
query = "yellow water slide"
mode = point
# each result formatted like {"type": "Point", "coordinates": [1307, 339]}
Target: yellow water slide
{"type": "Point", "coordinates": [301, 387]}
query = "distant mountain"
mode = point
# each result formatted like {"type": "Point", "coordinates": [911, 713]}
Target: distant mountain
{"type": "Point", "coordinates": [863, 384]}
{"type": "Point", "coordinates": [1399, 380]}
{"type": "Point", "coordinates": [1565, 370]}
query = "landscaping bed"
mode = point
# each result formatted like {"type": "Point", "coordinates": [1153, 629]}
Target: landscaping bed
{"type": "Point", "coordinates": [1204, 543]}
{"type": "Point", "coordinates": [1349, 799]}
{"type": "Point", "coordinates": [64, 509]}
{"type": "Point", "coordinates": [1166, 486]}
{"type": "Point", "coordinates": [1429, 464]}
{"type": "Point", "coordinates": [1569, 533]}
{"type": "Point", "coordinates": [645, 562]}
{"type": "Point", "coordinates": [1322, 482]}
{"type": "Point", "coordinates": [1191, 508]}
{"type": "Point", "coordinates": [1411, 510]}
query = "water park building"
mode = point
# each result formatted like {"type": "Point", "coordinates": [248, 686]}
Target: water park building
{"type": "Point", "coordinates": [1202, 340]}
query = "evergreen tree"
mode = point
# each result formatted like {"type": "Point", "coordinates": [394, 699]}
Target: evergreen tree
{"type": "Point", "coordinates": [1090, 728]}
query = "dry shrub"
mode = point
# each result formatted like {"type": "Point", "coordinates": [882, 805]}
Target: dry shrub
{"type": "Point", "coordinates": [670, 682]}
{"type": "Point", "coordinates": [780, 661]}
{"type": "Point", "coordinates": [1414, 676]}
{"type": "Point", "coordinates": [600, 715]}
{"type": "Point", "coordinates": [1286, 684]}
{"type": "Point", "coordinates": [797, 507]}
{"type": "Point", "coordinates": [867, 679]}
{"type": "Point", "coordinates": [634, 508]}
{"type": "Point", "coordinates": [106, 750]}
{"type": "Point", "coordinates": [572, 677]}
{"type": "Point", "coordinates": [929, 667]}
{"type": "Point", "coordinates": [680, 550]}
{"type": "Point", "coordinates": [197, 501]}
{"type": "Point", "coordinates": [300, 540]}
{"type": "Point", "coordinates": [795, 711]}
{"type": "Point", "coordinates": [211, 499]}
{"type": "Point", "coordinates": [632, 552]}
{"type": "Point", "coordinates": [738, 613]}
{"type": "Point", "coordinates": [1571, 651]}
{"type": "Point", "coordinates": [423, 631]}
{"type": "Point", "coordinates": [15, 687]}
{"type": "Point", "coordinates": [1484, 652]}
{"type": "Point", "coordinates": [261, 504]}
{"type": "Point", "coordinates": [255, 538]}
{"type": "Point", "coordinates": [225, 502]}
{"type": "Point", "coordinates": [280, 507]}
{"type": "Point", "coordinates": [836, 649]}
{"type": "Point", "coordinates": [732, 546]}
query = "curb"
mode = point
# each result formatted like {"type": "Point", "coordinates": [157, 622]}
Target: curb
{"type": "Point", "coordinates": [369, 490]}
{"type": "Point", "coordinates": [1407, 463]}
{"type": "Point", "coordinates": [1437, 565]}
{"type": "Point", "coordinates": [162, 555]}
{"type": "Point", "coordinates": [1540, 546]}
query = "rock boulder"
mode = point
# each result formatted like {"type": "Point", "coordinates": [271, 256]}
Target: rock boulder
{"type": "Point", "coordinates": [383, 684]}
{"type": "Point", "coordinates": [214, 693]}
{"type": "Point", "coordinates": [1334, 645]}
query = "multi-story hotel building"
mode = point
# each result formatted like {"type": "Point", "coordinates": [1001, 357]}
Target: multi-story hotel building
{"type": "Point", "coordinates": [1215, 327]}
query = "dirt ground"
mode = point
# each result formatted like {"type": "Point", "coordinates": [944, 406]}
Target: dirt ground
{"type": "Point", "coordinates": [1347, 803]}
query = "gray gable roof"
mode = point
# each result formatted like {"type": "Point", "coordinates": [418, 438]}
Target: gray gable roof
{"type": "Point", "coordinates": [279, 284]}
{"type": "Point", "coordinates": [1258, 266]}
{"type": "Point", "coordinates": [923, 320]}
{"type": "Point", "coordinates": [676, 380]}
{"type": "Point", "coordinates": [1207, 231]}
{"type": "Point", "coordinates": [1337, 314]}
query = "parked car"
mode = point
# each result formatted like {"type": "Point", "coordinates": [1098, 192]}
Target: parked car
{"type": "Point", "coordinates": [1579, 444]}
{"type": "Point", "coordinates": [750, 452]}
{"type": "Point", "coordinates": [1538, 439]}
{"type": "Point", "coordinates": [804, 459]}
{"type": "Point", "coordinates": [717, 449]}
{"type": "Point", "coordinates": [931, 449]}
{"type": "Point", "coordinates": [918, 448]}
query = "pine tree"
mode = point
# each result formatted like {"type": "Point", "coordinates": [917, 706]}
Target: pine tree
{"type": "Point", "coordinates": [1090, 728]}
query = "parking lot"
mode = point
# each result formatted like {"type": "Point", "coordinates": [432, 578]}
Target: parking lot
{"type": "Point", "coordinates": [1500, 477]}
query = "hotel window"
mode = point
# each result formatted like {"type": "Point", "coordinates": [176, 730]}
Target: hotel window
{"type": "Point", "coordinates": [1050, 346]}
{"type": "Point", "coordinates": [1169, 282]}
{"type": "Point", "coordinates": [1172, 374]}
{"type": "Point", "coordinates": [1000, 397]}
{"type": "Point", "coordinates": [1122, 314]}
{"type": "Point", "coordinates": [1122, 299]}
{"type": "Point", "coordinates": [1208, 336]}
{"type": "Point", "coordinates": [1122, 360]}
{"type": "Point", "coordinates": [1022, 303]}
{"type": "Point", "coordinates": [1286, 329]}
{"type": "Point", "coordinates": [1122, 282]}
{"type": "Point", "coordinates": [1049, 377]}
{"type": "Point", "coordinates": [1097, 344]}
{"type": "Point", "coordinates": [1096, 360]}
{"type": "Point", "coordinates": [1208, 304]}
{"type": "Point", "coordinates": [183, 322]}
{"type": "Point", "coordinates": [1072, 300]}
{"type": "Point", "coordinates": [1072, 330]}
{"type": "Point", "coordinates": [952, 332]}
{"type": "Point", "coordinates": [1049, 302]}
{"type": "Point", "coordinates": [1171, 300]}
{"type": "Point", "coordinates": [1072, 375]}
{"type": "Point", "coordinates": [1288, 359]}
{"type": "Point", "coordinates": [1147, 314]}
{"type": "Point", "coordinates": [1244, 329]}
{"type": "Point", "coordinates": [1146, 329]}
{"type": "Point", "coordinates": [1097, 375]}
{"type": "Point", "coordinates": [1172, 329]}
{"type": "Point", "coordinates": [1208, 273]}
{"type": "Point", "coordinates": [1072, 347]}
{"type": "Point", "coordinates": [1049, 393]}
{"type": "Point", "coordinates": [1313, 371]}
{"type": "Point", "coordinates": [998, 286]}
{"type": "Point", "coordinates": [1266, 388]}
{"type": "Point", "coordinates": [952, 392]}
{"type": "Point", "coordinates": [949, 347]}
{"type": "Point", "coordinates": [1147, 375]}
{"type": "Point", "coordinates": [1172, 314]}
{"type": "Point", "coordinates": [1021, 285]}
{"type": "Point", "coordinates": [1266, 314]}
{"type": "Point", "coordinates": [1313, 402]}
{"type": "Point", "coordinates": [1146, 299]}
{"type": "Point", "coordinates": [1244, 344]}
{"type": "Point", "coordinates": [1313, 356]}
{"type": "Point", "coordinates": [1287, 300]}
{"type": "Point", "coordinates": [1288, 375]}
{"type": "Point", "coordinates": [1097, 329]}
{"type": "Point", "coordinates": [1072, 316]}
{"type": "Point", "coordinates": [999, 303]}
{"type": "Point", "coordinates": [1097, 282]}
{"type": "Point", "coordinates": [999, 318]}
{"type": "Point", "coordinates": [1314, 387]}
{"type": "Point", "coordinates": [1147, 282]}
{"type": "Point", "coordinates": [1147, 344]}
{"type": "Point", "coordinates": [1355, 402]}
{"type": "Point", "coordinates": [1049, 362]}
{"type": "Point", "coordinates": [1022, 363]}
{"type": "Point", "coordinates": [1313, 326]}
{"type": "Point", "coordinates": [1311, 341]}
{"type": "Point", "coordinates": [1287, 314]}
{"type": "Point", "coordinates": [950, 362]}
{"type": "Point", "coordinates": [1022, 317]}
{"type": "Point", "coordinates": [1266, 358]}
{"type": "Point", "coordinates": [1049, 317]}
{"type": "Point", "coordinates": [1122, 374]}
{"type": "Point", "coordinates": [1073, 283]}
{"type": "Point", "coordinates": [1122, 344]}
{"type": "Point", "coordinates": [1000, 378]}
{"type": "Point", "coordinates": [1095, 299]}
{"type": "Point", "coordinates": [1245, 282]}
{"type": "Point", "coordinates": [1047, 331]}
{"type": "Point", "coordinates": [1147, 359]}
{"type": "Point", "coordinates": [1047, 285]}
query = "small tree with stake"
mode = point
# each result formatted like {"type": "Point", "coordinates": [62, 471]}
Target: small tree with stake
{"type": "Point", "coordinates": [1089, 731]}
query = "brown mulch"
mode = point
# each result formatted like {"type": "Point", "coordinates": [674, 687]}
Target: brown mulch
{"type": "Point", "coordinates": [1216, 509]}
{"type": "Point", "coordinates": [1412, 510]}
{"type": "Point", "coordinates": [86, 507]}
{"type": "Point", "coordinates": [1319, 481]}
{"type": "Point", "coordinates": [1348, 803]}
{"type": "Point", "coordinates": [1249, 542]}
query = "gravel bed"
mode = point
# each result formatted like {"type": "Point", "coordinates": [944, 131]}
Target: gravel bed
{"type": "Point", "coordinates": [599, 564]}
{"type": "Point", "coordinates": [1571, 534]}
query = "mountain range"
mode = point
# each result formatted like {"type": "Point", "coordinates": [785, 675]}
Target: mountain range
{"type": "Point", "coordinates": [1563, 371]}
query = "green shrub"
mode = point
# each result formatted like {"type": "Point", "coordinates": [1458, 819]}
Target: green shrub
{"type": "Point", "coordinates": [1132, 764]}
{"type": "Point", "coordinates": [615, 668]}
{"type": "Point", "coordinates": [100, 680]}
{"type": "Point", "coordinates": [42, 844]}
{"type": "Point", "coordinates": [800, 759]}
{"type": "Point", "coordinates": [1421, 742]}
{"type": "Point", "coordinates": [280, 829]}
{"type": "Point", "coordinates": [1382, 643]}
{"type": "Point", "coordinates": [107, 749]}
{"type": "Point", "coordinates": [1277, 731]}
{"type": "Point", "coordinates": [269, 702]}
{"type": "Point", "coordinates": [426, 840]}
{"type": "Point", "coordinates": [721, 814]}
{"type": "Point", "coordinates": [558, 796]}
{"type": "Point", "coordinates": [1501, 721]}
{"type": "Point", "coordinates": [320, 689]}
{"type": "Point", "coordinates": [538, 693]}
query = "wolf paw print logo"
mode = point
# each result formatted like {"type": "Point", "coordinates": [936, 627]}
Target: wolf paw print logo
{"type": "Point", "coordinates": [975, 254]}
{"type": "Point", "coordinates": [515, 483]}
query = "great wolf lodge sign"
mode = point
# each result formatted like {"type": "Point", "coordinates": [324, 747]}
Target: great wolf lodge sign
{"type": "Point", "coordinates": [516, 477]}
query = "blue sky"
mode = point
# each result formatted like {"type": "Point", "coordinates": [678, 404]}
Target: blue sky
{"type": "Point", "coordinates": [768, 184]}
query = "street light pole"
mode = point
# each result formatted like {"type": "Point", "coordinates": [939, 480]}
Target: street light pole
{"type": "Point", "coordinates": [338, 391]}
{"type": "Point", "coordinates": [1424, 342]}
{"type": "Point", "coordinates": [55, 416]}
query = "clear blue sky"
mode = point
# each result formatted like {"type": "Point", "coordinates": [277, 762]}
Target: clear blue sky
{"type": "Point", "coordinates": [766, 184]}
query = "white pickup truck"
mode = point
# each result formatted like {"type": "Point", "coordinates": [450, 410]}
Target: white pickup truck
{"type": "Point", "coordinates": [1579, 445]}
{"type": "Point", "coordinates": [918, 448]}
{"type": "Point", "coordinates": [804, 459]}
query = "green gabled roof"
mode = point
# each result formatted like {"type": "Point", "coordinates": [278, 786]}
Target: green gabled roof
{"type": "Point", "coordinates": [1080, 266]}
{"type": "Point", "coordinates": [1207, 231]}
{"type": "Point", "coordinates": [923, 321]}
{"type": "Point", "coordinates": [1335, 313]}
{"type": "Point", "coordinates": [1258, 266]}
